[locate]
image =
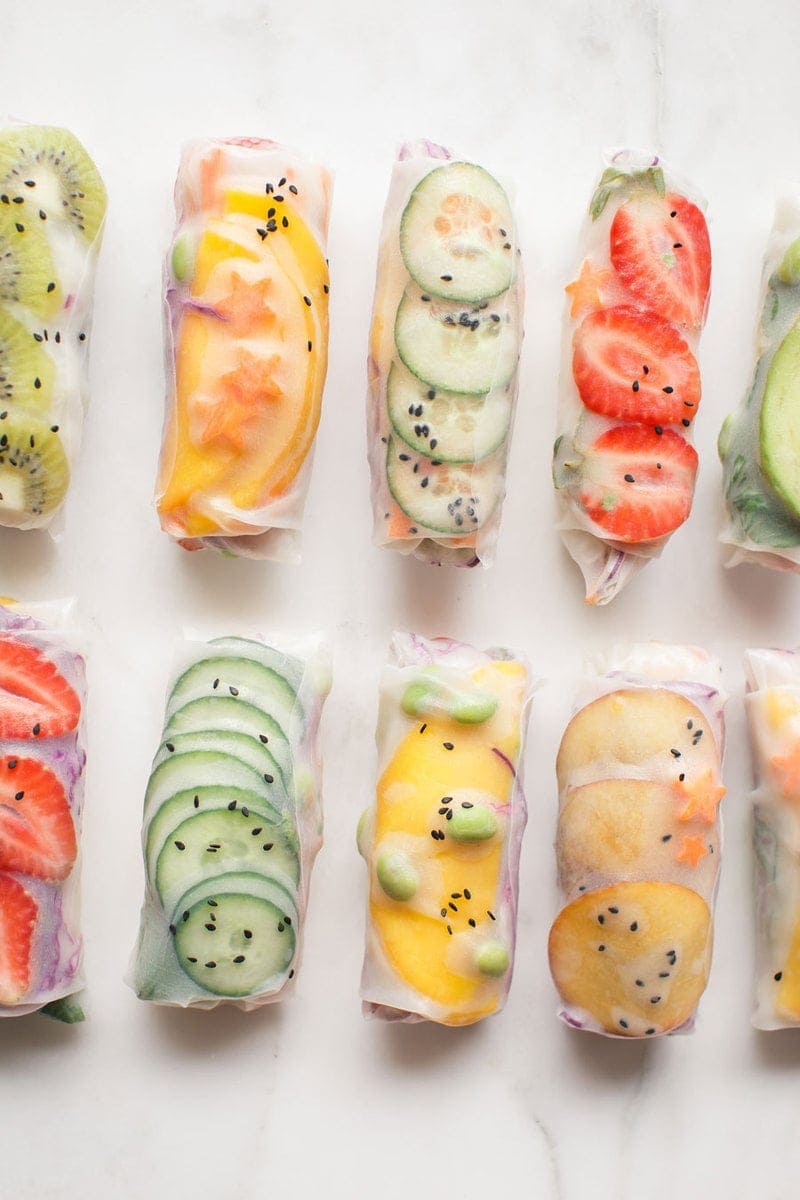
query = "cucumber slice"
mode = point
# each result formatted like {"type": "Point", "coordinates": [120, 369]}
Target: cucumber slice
{"type": "Point", "coordinates": [780, 422]}
{"type": "Point", "coordinates": [447, 498]}
{"type": "Point", "coordinates": [242, 678]}
{"type": "Point", "coordinates": [291, 669]}
{"type": "Point", "coordinates": [178, 808]}
{"type": "Point", "coordinates": [236, 935]}
{"type": "Point", "coordinates": [471, 349]}
{"type": "Point", "coordinates": [226, 714]}
{"type": "Point", "coordinates": [203, 768]}
{"type": "Point", "coordinates": [456, 234]}
{"type": "Point", "coordinates": [446, 425]}
{"type": "Point", "coordinates": [216, 842]}
{"type": "Point", "coordinates": [247, 749]}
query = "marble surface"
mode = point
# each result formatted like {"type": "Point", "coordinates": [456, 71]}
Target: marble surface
{"type": "Point", "coordinates": [308, 1100]}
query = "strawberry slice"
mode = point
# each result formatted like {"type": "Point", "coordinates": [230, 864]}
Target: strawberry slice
{"type": "Point", "coordinates": [638, 482]}
{"type": "Point", "coordinates": [633, 366]}
{"type": "Point", "coordinates": [37, 833]}
{"type": "Point", "coordinates": [35, 698]}
{"type": "Point", "coordinates": [661, 252]}
{"type": "Point", "coordinates": [18, 912]}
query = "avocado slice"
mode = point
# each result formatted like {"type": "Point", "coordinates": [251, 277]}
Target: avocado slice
{"type": "Point", "coordinates": [779, 424]}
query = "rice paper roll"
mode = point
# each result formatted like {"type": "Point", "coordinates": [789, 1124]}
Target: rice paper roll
{"type": "Point", "coordinates": [443, 361]}
{"type": "Point", "coordinates": [638, 842]}
{"type": "Point", "coordinates": [42, 757]}
{"type": "Point", "coordinates": [246, 340]}
{"type": "Point", "coordinates": [232, 825]}
{"type": "Point", "coordinates": [624, 465]}
{"type": "Point", "coordinates": [772, 704]}
{"type": "Point", "coordinates": [442, 840]}
{"type": "Point", "coordinates": [52, 211]}
{"type": "Point", "coordinates": [759, 444]}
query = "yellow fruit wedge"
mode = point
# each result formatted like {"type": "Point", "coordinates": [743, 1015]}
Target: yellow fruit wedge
{"type": "Point", "coordinates": [248, 393]}
{"type": "Point", "coordinates": [441, 764]}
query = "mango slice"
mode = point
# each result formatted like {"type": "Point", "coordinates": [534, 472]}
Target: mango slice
{"type": "Point", "coordinates": [439, 766]}
{"type": "Point", "coordinates": [250, 451]}
{"type": "Point", "coordinates": [634, 956]}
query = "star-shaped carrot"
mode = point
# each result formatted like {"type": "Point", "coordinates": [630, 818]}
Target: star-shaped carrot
{"type": "Point", "coordinates": [246, 303]}
{"type": "Point", "coordinates": [585, 290]}
{"type": "Point", "coordinates": [786, 767]}
{"type": "Point", "coordinates": [246, 392]}
{"type": "Point", "coordinates": [700, 798]}
{"type": "Point", "coordinates": [692, 850]}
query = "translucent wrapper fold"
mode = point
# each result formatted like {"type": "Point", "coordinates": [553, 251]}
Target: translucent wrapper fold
{"type": "Point", "coordinates": [51, 227]}
{"type": "Point", "coordinates": [772, 704]}
{"type": "Point", "coordinates": [442, 841]}
{"type": "Point", "coordinates": [623, 464]}
{"type": "Point", "coordinates": [761, 470]}
{"type": "Point", "coordinates": [443, 358]}
{"type": "Point", "coordinates": [639, 840]}
{"type": "Point", "coordinates": [232, 824]}
{"type": "Point", "coordinates": [246, 342]}
{"type": "Point", "coordinates": [42, 694]}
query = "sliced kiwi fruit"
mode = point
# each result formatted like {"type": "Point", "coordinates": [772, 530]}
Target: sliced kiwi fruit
{"type": "Point", "coordinates": [46, 173]}
{"type": "Point", "coordinates": [34, 472]}
{"type": "Point", "coordinates": [26, 369]}
{"type": "Point", "coordinates": [27, 271]}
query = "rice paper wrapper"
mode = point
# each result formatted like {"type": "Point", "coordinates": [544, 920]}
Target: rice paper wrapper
{"type": "Point", "coordinates": [639, 786]}
{"type": "Point", "coordinates": [472, 478]}
{"type": "Point", "coordinates": [42, 416]}
{"type": "Point", "coordinates": [758, 523]}
{"type": "Point", "coordinates": [295, 790]}
{"type": "Point", "coordinates": [772, 704]}
{"type": "Point", "coordinates": [246, 344]}
{"type": "Point", "coordinates": [607, 565]}
{"type": "Point", "coordinates": [55, 957]}
{"type": "Point", "coordinates": [442, 841]}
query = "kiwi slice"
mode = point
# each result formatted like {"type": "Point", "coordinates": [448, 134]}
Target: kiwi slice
{"type": "Point", "coordinates": [46, 174]}
{"type": "Point", "coordinates": [27, 272]}
{"type": "Point", "coordinates": [26, 369]}
{"type": "Point", "coordinates": [34, 471]}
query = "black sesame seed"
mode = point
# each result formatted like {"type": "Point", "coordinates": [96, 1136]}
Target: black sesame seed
{"type": "Point", "coordinates": [601, 919]}
{"type": "Point", "coordinates": [18, 795]}
{"type": "Point", "coordinates": [422, 728]}
{"type": "Point", "coordinates": [601, 948]}
{"type": "Point", "coordinates": [211, 928]}
{"type": "Point", "coordinates": [613, 909]}
{"type": "Point", "coordinates": [654, 999]}
{"type": "Point", "coordinates": [623, 1023]}
{"type": "Point", "coordinates": [629, 479]}
{"type": "Point", "coordinates": [634, 926]}
{"type": "Point", "coordinates": [675, 753]}
{"type": "Point", "coordinates": [307, 300]}
{"type": "Point", "coordinates": [234, 691]}
{"type": "Point", "coordinates": [635, 385]}
{"type": "Point", "coordinates": [239, 958]}
{"type": "Point", "coordinates": [659, 429]}
{"type": "Point", "coordinates": [491, 915]}
{"type": "Point", "coordinates": [685, 422]}
{"type": "Point", "coordinates": [211, 964]}
{"type": "Point", "coordinates": [667, 837]}
{"type": "Point", "coordinates": [248, 933]}
{"type": "Point", "coordinates": [447, 745]}
{"type": "Point", "coordinates": [778, 976]}
{"type": "Point", "coordinates": [467, 894]}
{"type": "Point", "coordinates": [172, 929]}
{"type": "Point", "coordinates": [668, 390]}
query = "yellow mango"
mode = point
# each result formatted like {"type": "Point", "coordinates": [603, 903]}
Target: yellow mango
{"type": "Point", "coordinates": [279, 436]}
{"type": "Point", "coordinates": [781, 705]}
{"type": "Point", "coordinates": [419, 944]}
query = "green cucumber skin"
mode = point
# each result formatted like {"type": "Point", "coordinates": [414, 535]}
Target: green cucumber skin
{"type": "Point", "coordinates": [224, 713]}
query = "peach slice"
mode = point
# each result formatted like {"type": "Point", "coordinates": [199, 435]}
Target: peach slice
{"type": "Point", "coordinates": [633, 957]}
{"type": "Point", "coordinates": [639, 726]}
{"type": "Point", "coordinates": [630, 829]}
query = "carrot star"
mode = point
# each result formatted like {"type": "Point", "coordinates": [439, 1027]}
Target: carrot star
{"type": "Point", "coordinates": [246, 392]}
{"type": "Point", "coordinates": [692, 850]}
{"type": "Point", "coordinates": [701, 798]}
{"type": "Point", "coordinates": [787, 769]}
{"type": "Point", "coordinates": [585, 290]}
{"type": "Point", "coordinates": [246, 304]}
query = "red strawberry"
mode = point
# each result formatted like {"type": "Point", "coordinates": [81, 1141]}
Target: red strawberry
{"type": "Point", "coordinates": [638, 483]}
{"type": "Point", "coordinates": [18, 912]}
{"type": "Point", "coordinates": [636, 367]}
{"type": "Point", "coordinates": [35, 698]}
{"type": "Point", "coordinates": [37, 833]}
{"type": "Point", "coordinates": [661, 252]}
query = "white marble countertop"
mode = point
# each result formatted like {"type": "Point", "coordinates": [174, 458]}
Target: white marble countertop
{"type": "Point", "coordinates": [308, 1100]}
